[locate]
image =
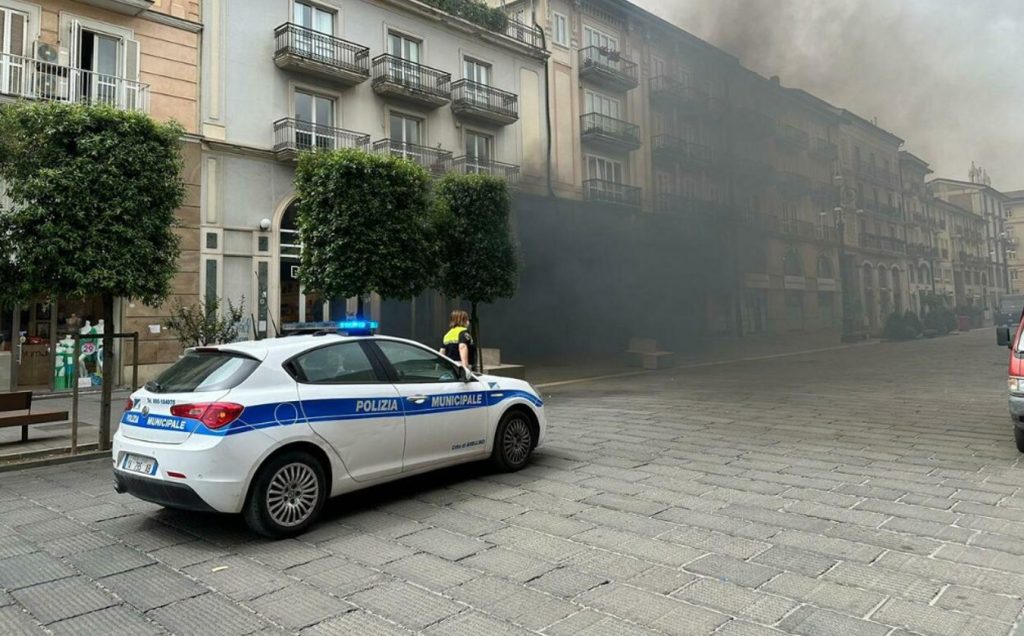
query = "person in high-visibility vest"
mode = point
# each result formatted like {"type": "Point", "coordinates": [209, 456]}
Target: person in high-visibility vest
{"type": "Point", "coordinates": [458, 343]}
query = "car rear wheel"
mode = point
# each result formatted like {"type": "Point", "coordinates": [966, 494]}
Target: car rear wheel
{"type": "Point", "coordinates": [287, 495]}
{"type": "Point", "coordinates": [1018, 436]}
{"type": "Point", "coordinates": [513, 441]}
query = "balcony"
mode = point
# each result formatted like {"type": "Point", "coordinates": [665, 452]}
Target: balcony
{"type": "Point", "coordinates": [310, 52]}
{"type": "Point", "coordinates": [685, 205]}
{"type": "Point", "coordinates": [410, 82]}
{"type": "Point", "coordinates": [479, 165]}
{"type": "Point", "coordinates": [483, 103]}
{"type": "Point", "coordinates": [791, 185]}
{"type": "Point", "coordinates": [751, 173]}
{"type": "Point", "coordinates": [608, 68]}
{"type": "Point", "coordinates": [435, 160]}
{"type": "Point", "coordinates": [823, 150]}
{"type": "Point", "coordinates": [827, 234]}
{"type": "Point", "coordinates": [794, 228]}
{"type": "Point", "coordinates": [26, 78]}
{"type": "Point", "coordinates": [752, 124]}
{"type": "Point", "coordinates": [790, 139]}
{"type": "Point", "coordinates": [876, 174]}
{"type": "Point", "coordinates": [613, 192]}
{"type": "Point", "coordinates": [525, 33]}
{"type": "Point", "coordinates": [882, 243]}
{"type": "Point", "coordinates": [125, 7]}
{"type": "Point", "coordinates": [922, 251]}
{"type": "Point", "coordinates": [674, 150]}
{"type": "Point", "coordinates": [669, 92]}
{"type": "Point", "coordinates": [890, 210]}
{"type": "Point", "coordinates": [609, 133]}
{"type": "Point", "coordinates": [292, 136]}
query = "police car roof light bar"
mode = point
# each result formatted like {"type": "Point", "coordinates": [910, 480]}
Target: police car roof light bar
{"type": "Point", "coordinates": [358, 327]}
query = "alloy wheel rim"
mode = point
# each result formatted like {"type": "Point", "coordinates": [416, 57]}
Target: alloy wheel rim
{"type": "Point", "coordinates": [517, 441]}
{"type": "Point", "coordinates": [292, 494]}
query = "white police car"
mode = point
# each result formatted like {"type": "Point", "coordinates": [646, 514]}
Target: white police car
{"type": "Point", "coordinates": [273, 428]}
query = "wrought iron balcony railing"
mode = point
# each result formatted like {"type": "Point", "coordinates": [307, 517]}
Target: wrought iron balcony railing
{"type": "Point", "coordinates": [883, 243]}
{"type": "Point", "coordinates": [613, 192]}
{"type": "Point", "coordinates": [791, 138]}
{"type": "Point", "coordinates": [294, 135]}
{"type": "Point", "coordinates": [695, 207]}
{"type": "Point", "coordinates": [525, 33]}
{"type": "Point", "coordinates": [303, 49]}
{"type": "Point", "coordinates": [688, 100]}
{"type": "Point", "coordinates": [480, 101]}
{"type": "Point", "coordinates": [435, 160]}
{"type": "Point", "coordinates": [684, 152]}
{"type": "Point", "coordinates": [608, 67]}
{"type": "Point", "coordinates": [27, 78]}
{"type": "Point", "coordinates": [467, 164]}
{"type": "Point", "coordinates": [609, 131]}
{"type": "Point", "coordinates": [824, 149]}
{"type": "Point", "coordinates": [411, 81]}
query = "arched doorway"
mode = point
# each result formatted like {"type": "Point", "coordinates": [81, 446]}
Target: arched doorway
{"type": "Point", "coordinates": [868, 286]}
{"type": "Point", "coordinates": [884, 292]}
{"type": "Point", "coordinates": [897, 291]}
{"type": "Point", "coordinates": [294, 305]}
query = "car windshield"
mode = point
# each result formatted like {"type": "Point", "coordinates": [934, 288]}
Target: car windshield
{"type": "Point", "coordinates": [201, 371]}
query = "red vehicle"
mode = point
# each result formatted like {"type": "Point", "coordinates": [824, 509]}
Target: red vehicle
{"type": "Point", "coordinates": [1015, 379]}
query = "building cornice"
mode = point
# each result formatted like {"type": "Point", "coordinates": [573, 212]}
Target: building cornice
{"type": "Point", "coordinates": [171, 21]}
{"type": "Point", "coordinates": [465, 26]}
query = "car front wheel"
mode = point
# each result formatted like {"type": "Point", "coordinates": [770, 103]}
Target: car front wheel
{"type": "Point", "coordinates": [287, 495]}
{"type": "Point", "coordinates": [513, 441]}
{"type": "Point", "coordinates": [1018, 436]}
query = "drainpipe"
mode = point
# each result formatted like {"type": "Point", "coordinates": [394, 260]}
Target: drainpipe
{"type": "Point", "coordinates": [547, 102]}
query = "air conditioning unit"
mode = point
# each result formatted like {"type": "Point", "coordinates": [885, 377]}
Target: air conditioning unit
{"type": "Point", "coordinates": [49, 53]}
{"type": "Point", "coordinates": [51, 86]}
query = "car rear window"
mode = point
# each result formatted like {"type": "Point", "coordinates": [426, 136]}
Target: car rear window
{"type": "Point", "coordinates": [204, 371]}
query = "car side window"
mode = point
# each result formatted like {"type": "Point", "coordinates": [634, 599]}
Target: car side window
{"type": "Point", "coordinates": [344, 363]}
{"type": "Point", "coordinates": [413, 364]}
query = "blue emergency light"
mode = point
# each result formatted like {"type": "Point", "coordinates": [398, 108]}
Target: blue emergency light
{"type": "Point", "coordinates": [358, 327]}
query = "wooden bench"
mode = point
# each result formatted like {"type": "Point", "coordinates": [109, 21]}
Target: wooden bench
{"type": "Point", "coordinates": [16, 410]}
{"type": "Point", "coordinates": [645, 353]}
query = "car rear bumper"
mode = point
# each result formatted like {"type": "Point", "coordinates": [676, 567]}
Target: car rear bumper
{"type": "Point", "coordinates": [204, 478]}
{"type": "Point", "coordinates": [160, 491]}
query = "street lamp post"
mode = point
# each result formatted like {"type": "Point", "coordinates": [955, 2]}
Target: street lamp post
{"type": "Point", "coordinates": [840, 225]}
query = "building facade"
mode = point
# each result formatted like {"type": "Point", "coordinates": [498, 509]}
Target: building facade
{"type": "Point", "coordinates": [130, 54]}
{"type": "Point", "coordinates": [980, 198]}
{"type": "Point", "coordinates": [388, 76]}
{"type": "Point", "coordinates": [1015, 232]}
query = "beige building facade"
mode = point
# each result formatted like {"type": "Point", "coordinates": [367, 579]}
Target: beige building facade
{"type": "Point", "coordinates": [130, 54]}
{"type": "Point", "coordinates": [1015, 232]}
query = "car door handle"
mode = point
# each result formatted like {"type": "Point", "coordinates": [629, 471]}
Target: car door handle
{"type": "Point", "coordinates": [417, 399]}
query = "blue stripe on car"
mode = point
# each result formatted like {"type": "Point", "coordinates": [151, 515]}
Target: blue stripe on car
{"type": "Point", "coordinates": [267, 415]}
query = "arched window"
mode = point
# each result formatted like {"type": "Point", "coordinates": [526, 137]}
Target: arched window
{"type": "Point", "coordinates": [791, 265]}
{"type": "Point", "coordinates": [883, 277]}
{"type": "Point", "coordinates": [825, 267]}
{"type": "Point", "coordinates": [868, 276]}
{"type": "Point", "coordinates": [289, 233]}
{"type": "Point", "coordinates": [925, 277]}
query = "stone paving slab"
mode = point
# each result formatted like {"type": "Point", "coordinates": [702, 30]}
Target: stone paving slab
{"type": "Point", "coordinates": [867, 491]}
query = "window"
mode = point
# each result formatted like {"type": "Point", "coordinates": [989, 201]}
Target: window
{"type": "Point", "coordinates": [560, 29]}
{"type": "Point", "coordinates": [335, 364]}
{"type": "Point", "coordinates": [403, 47]}
{"type": "Point", "coordinates": [791, 265]}
{"type": "Point", "coordinates": [593, 37]}
{"type": "Point", "coordinates": [406, 136]}
{"type": "Point", "coordinates": [478, 153]}
{"type": "Point", "coordinates": [13, 39]}
{"type": "Point", "coordinates": [204, 371]}
{"type": "Point", "coordinates": [211, 296]}
{"type": "Point", "coordinates": [658, 66]}
{"type": "Point", "coordinates": [602, 104]}
{"type": "Point", "coordinates": [314, 18]}
{"type": "Point", "coordinates": [604, 169]}
{"type": "Point", "coordinates": [479, 76]}
{"type": "Point", "coordinates": [314, 115]}
{"type": "Point", "coordinates": [825, 267]}
{"type": "Point", "coordinates": [414, 364]}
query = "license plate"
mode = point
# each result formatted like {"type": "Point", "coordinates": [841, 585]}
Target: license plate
{"type": "Point", "coordinates": [139, 464]}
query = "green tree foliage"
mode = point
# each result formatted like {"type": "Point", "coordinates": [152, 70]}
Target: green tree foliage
{"type": "Point", "coordinates": [478, 256]}
{"type": "Point", "coordinates": [365, 225]}
{"type": "Point", "coordinates": [93, 192]}
{"type": "Point", "coordinates": [474, 11]}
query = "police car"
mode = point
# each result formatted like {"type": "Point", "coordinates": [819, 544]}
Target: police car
{"type": "Point", "coordinates": [271, 429]}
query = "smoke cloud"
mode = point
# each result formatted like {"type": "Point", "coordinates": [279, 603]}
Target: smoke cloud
{"type": "Point", "coordinates": [945, 75]}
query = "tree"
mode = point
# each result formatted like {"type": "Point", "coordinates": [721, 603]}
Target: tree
{"type": "Point", "coordinates": [92, 196]}
{"type": "Point", "coordinates": [478, 256]}
{"type": "Point", "coordinates": [364, 223]}
{"type": "Point", "coordinates": [202, 324]}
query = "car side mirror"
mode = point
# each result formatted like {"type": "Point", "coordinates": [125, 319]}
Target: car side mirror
{"type": "Point", "coordinates": [465, 374]}
{"type": "Point", "coordinates": [1003, 336]}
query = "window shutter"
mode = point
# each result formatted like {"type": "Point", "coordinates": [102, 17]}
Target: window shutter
{"type": "Point", "coordinates": [131, 60]}
{"type": "Point", "coordinates": [17, 28]}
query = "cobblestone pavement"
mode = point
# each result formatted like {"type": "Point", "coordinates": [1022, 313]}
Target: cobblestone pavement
{"type": "Point", "coordinates": [873, 491]}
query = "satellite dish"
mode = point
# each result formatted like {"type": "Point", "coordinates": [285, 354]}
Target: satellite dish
{"type": "Point", "coordinates": [46, 52]}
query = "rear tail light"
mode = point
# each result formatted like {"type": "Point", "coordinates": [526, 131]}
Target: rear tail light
{"type": "Point", "coordinates": [212, 414]}
{"type": "Point", "coordinates": [129, 404]}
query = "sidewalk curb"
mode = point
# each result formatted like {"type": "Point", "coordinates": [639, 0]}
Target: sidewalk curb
{"type": "Point", "coordinates": [713, 363]}
{"type": "Point", "coordinates": [50, 457]}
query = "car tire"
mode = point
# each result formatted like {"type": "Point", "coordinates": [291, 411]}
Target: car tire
{"type": "Point", "coordinates": [286, 496]}
{"type": "Point", "coordinates": [1018, 437]}
{"type": "Point", "coordinates": [513, 441]}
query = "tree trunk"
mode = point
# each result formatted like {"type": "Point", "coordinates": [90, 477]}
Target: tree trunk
{"type": "Point", "coordinates": [108, 370]}
{"type": "Point", "coordinates": [475, 321]}
{"type": "Point", "coordinates": [359, 307]}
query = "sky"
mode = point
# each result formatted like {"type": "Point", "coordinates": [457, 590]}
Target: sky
{"type": "Point", "coordinates": [945, 75]}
